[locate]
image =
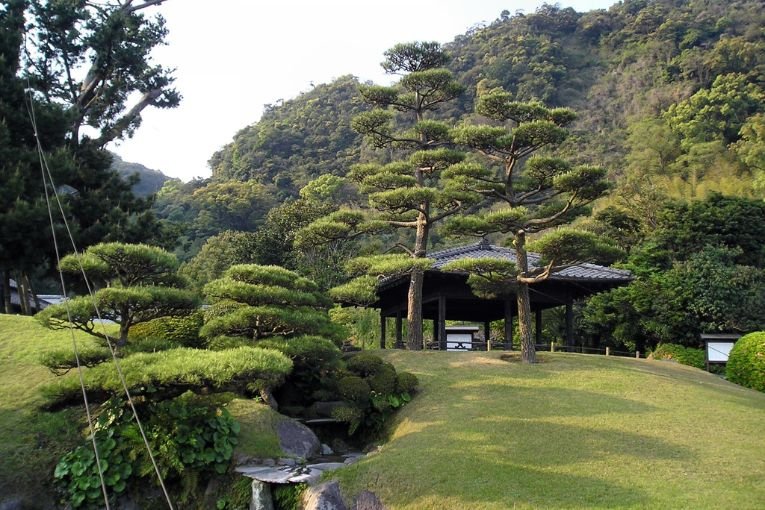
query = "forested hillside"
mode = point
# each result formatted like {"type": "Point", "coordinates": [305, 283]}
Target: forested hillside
{"type": "Point", "coordinates": [296, 140]}
{"type": "Point", "coordinates": [670, 100]}
{"type": "Point", "coordinates": [148, 182]}
{"type": "Point", "coordinates": [622, 69]}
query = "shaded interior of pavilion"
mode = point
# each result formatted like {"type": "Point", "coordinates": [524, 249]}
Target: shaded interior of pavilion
{"type": "Point", "coordinates": [448, 297]}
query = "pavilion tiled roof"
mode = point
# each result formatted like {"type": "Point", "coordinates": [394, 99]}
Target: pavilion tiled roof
{"type": "Point", "coordinates": [582, 271]}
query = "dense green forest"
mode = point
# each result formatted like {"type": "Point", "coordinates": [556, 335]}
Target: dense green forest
{"type": "Point", "coordinates": [633, 135]}
{"type": "Point", "coordinates": [670, 99]}
{"type": "Point", "coordinates": [622, 69]}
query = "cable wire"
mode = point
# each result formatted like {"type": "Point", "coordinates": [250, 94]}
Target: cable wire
{"type": "Point", "coordinates": [46, 170]}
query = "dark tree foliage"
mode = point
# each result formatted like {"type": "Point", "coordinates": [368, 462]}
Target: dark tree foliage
{"type": "Point", "coordinates": [700, 271]}
{"type": "Point", "coordinates": [81, 65]}
{"type": "Point", "coordinates": [686, 228]}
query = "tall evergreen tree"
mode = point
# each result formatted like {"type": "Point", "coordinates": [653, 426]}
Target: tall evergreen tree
{"type": "Point", "coordinates": [81, 65]}
{"type": "Point", "coordinates": [409, 193]}
{"type": "Point", "coordinates": [531, 194]}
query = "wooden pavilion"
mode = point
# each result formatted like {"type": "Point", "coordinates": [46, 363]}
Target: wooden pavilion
{"type": "Point", "coordinates": [447, 296]}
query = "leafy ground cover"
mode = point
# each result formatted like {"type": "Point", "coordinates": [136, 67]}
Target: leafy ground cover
{"type": "Point", "coordinates": [575, 431]}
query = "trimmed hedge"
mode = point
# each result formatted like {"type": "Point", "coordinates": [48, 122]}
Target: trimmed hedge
{"type": "Point", "coordinates": [178, 369]}
{"type": "Point", "coordinates": [365, 364]}
{"type": "Point", "coordinates": [746, 363]}
{"type": "Point", "coordinates": [181, 331]}
{"type": "Point", "coordinates": [406, 382]}
{"type": "Point", "coordinates": [354, 389]}
{"type": "Point", "coordinates": [683, 355]}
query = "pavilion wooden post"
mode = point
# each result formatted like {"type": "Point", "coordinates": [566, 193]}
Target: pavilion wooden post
{"type": "Point", "coordinates": [487, 334]}
{"type": "Point", "coordinates": [435, 332]}
{"type": "Point", "coordinates": [538, 326]}
{"type": "Point", "coordinates": [399, 331]}
{"type": "Point", "coordinates": [570, 326]}
{"type": "Point", "coordinates": [382, 330]}
{"type": "Point", "coordinates": [442, 322]}
{"type": "Point", "coordinates": [508, 324]}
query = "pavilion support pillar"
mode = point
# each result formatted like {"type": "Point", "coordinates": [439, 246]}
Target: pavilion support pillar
{"type": "Point", "coordinates": [508, 324]}
{"type": "Point", "coordinates": [382, 330]}
{"type": "Point", "coordinates": [538, 325]}
{"type": "Point", "coordinates": [435, 333]}
{"type": "Point", "coordinates": [442, 322]}
{"type": "Point", "coordinates": [399, 331]}
{"type": "Point", "coordinates": [487, 334]}
{"type": "Point", "coordinates": [570, 326]}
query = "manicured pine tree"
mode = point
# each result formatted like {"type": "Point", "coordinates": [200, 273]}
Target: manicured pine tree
{"type": "Point", "coordinates": [409, 193]}
{"type": "Point", "coordinates": [530, 194]}
{"type": "Point", "coordinates": [253, 302]}
{"type": "Point", "coordinates": [139, 283]}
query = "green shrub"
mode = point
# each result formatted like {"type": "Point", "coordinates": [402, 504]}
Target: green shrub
{"type": "Point", "coordinates": [315, 360]}
{"type": "Point", "coordinates": [746, 363]}
{"type": "Point", "coordinates": [684, 355]}
{"type": "Point", "coordinates": [354, 389]}
{"type": "Point", "coordinates": [365, 364]}
{"type": "Point", "coordinates": [182, 331]}
{"type": "Point", "coordinates": [406, 382]}
{"type": "Point", "coordinates": [192, 437]}
{"type": "Point", "coordinates": [383, 382]}
{"type": "Point", "coordinates": [223, 342]}
{"type": "Point", "coordinates": [310, 349]}
{"type": "Point", "coordinates": [155, 374]}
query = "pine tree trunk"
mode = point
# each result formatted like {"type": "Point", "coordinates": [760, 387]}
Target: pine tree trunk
{"type": "Point", "coordinates": [23, 295]}
{"type": "Point", "coordinates": [414, 338]}
{"type": "Point", "coordinates": [528, 351]}
{"type": "Point", "coordinates": [125, 323]}
{"type": "Point", "coordinates": [414, 311]}
{"type": "Point", "coordinates": [7, 306]}
{"type": "Point", "coordinates": [30, 290]}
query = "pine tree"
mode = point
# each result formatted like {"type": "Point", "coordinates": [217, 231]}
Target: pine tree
{"type": "Point", "coordinates": [531, 194]}
{"type": "Point", "coordinates": [138, 283]}
{"type": "Point", "coordinates": [253, 302]}
{"type": "Point", "coordinates": [413, 192]}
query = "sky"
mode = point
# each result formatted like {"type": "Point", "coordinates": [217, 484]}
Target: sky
{"type": "Point", "coordinates": [233, 56]}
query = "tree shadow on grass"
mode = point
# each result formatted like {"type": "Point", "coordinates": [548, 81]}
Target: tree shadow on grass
{"type": "Point", "coordinates": [501, 471]}
{"type": "Point", "coordinates": [487, 396]}
{"type": "Point", "coordinates": [513, 446]}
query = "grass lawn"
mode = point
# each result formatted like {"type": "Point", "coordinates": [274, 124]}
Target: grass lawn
{"type": "Point", "coordinates": [32, 441]}
{"type": "Point", "coordinates": [571, 432]}
{"type": "Point", "coordinates": [574, 431]}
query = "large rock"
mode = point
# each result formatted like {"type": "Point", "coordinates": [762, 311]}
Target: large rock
{"type": "Point", "coordinates": [297, 439]}
{"type": "Point", "coordinates": [325, 496]}
{"type": "Point", "coordinates": [368, 501]}
{"type": "Point", "coordinates": [261, 496]}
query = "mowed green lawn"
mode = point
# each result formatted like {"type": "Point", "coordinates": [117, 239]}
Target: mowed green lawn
{"type": "Point", "coordinates": [574, 431]}
{"type": "Point", "coordinates": [571, 432]}
{"type": "Point", "coordinates": [31, 441]}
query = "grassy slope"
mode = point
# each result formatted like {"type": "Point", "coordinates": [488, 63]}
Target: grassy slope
{"type": "Point", "coordinates": [32, 441]}
{"type": "Point", "coordinates": [574, 431]}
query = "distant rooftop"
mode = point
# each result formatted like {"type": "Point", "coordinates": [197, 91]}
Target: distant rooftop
{"type": "Point", "coordinates": [583, 271]}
